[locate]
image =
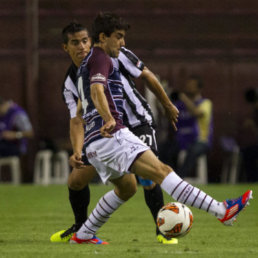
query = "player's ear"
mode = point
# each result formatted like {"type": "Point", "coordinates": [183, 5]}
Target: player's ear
{"type": "Point", "coordinates": [102, 37]}
{"type": "Point", "coordinates": [64, 46]}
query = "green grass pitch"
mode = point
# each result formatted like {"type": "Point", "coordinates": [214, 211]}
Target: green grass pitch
{"type": "Point", "coordinates": [30, 214]}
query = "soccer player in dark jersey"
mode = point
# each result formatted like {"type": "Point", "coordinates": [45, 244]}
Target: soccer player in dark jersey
{"type": "Point", "coordinates": [138, 117]}
{"type": "Point", "coordinates": [113, 150]}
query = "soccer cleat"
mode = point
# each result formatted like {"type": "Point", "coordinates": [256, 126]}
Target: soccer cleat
{"type": "Point", "coordinates": [64, 235]}
{"type": "Point", "coordinates": [234, 206]}
{"type": "Point", "coordinates": [94, 240]}
{"type": "Point", "coordinates": [167, 241]}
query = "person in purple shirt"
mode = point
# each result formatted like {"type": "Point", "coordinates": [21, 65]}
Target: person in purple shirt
{"type": "Point", "coordinates": [15, 129]}
{"type": "Point", "coordinates": [195, 124]}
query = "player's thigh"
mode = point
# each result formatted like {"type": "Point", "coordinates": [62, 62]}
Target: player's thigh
{"type": "Point", "coordinates": [125, 186]}
{"type": "Point", "coordinates": [150, 167]}
{"type": "Point", "coordinates": [79, 178]}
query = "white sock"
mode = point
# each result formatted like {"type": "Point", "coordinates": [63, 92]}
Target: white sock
{"type": "Point", "coordinates": [109, 203]}
{"type": "Point", "coordinates": [185, 193]}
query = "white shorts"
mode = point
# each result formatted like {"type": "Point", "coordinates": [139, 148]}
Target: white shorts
{"type": "Point", "coordinates": [112, 157]}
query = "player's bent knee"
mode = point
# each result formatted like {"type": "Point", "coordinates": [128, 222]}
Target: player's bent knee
{"type": "Point", "coordinates": [128, 192]}
{"type": "Point", "coordinates": [76, 185]}
{"type": "Point", "coordinates": [125, 187]}
{"type": "Point", "coordinates": [75, 181]}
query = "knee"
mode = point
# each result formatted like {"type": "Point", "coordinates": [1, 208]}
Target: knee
{"type": "Point", "coordinates": [126, 192]}
{"type": "Point", "coordinates": [130, 192]}
{"type": "Point", "coordinates": [75, 183]}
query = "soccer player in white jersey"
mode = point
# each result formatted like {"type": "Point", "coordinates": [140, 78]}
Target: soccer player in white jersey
{"type": "Point", "coordinates": [138, 117]}
{"type": "Point", "coordinates": [115, 152]}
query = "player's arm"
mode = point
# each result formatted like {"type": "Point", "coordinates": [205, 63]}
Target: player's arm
{"type": "Point", "coordinates": [156, 88]}
{"type": "Point", "coordinates": [77, 137]}
{"type": "Point", "coordinates": [192, 108]}
{"type": "Point", "coordinates": [100, 101]}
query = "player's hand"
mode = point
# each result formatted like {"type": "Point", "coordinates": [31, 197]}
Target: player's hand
{"type": "Point", "coordinates": [76, 161]}
{"type": "Point", "coordinates": [172, 114]}
{"type": "Point", "coordinates": [107, 128]}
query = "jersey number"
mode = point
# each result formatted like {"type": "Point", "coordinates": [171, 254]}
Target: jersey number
{"type": "Point", "coordinates": [81, 93]}
{"type": "Point", "coordinates": [146, 138]}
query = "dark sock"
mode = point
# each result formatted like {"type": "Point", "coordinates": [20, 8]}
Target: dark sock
{"type": "Point", "coordinates": [79, 201]}
{"type": "Point", "coordinates": [154, 200]}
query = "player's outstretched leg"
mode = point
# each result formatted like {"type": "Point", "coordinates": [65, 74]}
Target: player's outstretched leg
{"type": "Point", "coordinates": [185, 193]}
{"type": "Point", "coordinates": [148, 166]}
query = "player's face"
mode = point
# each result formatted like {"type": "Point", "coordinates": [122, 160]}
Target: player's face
{"type": "Point", "coordinates": [78, 46]}
{"type": "Point", "coordinates": [115, 42]}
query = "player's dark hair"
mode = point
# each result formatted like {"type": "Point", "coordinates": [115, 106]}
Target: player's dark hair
{"type": "Point", "coordinates": [107, 23]}
{"type": "Point", "coordinates": [198, 79]}
{"type": "Point", "coordinates": [72, 28]}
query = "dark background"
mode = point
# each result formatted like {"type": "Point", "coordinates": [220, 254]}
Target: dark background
{"type": "Point", "coordinates": [216, 39]}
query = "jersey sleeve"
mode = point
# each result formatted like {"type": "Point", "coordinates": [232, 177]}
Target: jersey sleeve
{"type": "Point", "coordinates": [131, 63]}
{"type": "Point", "coordinates": [99, 67]}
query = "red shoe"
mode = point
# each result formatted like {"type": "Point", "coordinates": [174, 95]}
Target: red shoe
{"type": "Point", "coordinates": [94, 240]}
{"type": "Point", "coordinates": [234, 206]}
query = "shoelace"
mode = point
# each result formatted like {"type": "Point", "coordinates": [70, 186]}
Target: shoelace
{"type": "Point", "coordinates": [70, 230]}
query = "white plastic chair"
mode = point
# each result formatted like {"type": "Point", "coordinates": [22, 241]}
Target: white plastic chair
{"type": "Point", "coordinates": [43, 167]}
{"type": "Point", "coordinates": [15, 167]}
{"type": "Point", "coordinates": [60, 167]}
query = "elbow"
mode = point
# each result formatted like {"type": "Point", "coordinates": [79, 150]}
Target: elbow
{"type": "Point", "coordinates": [76, 121]}
{"type": "Point", "coordinates": [146, 74]}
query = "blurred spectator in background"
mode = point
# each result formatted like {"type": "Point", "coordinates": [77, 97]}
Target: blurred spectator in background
{"type": "Point", "coordinates": [15, 129]}
{"type": "Point", "coordinates": [195, 125]}
{"type": "Point", "coordinates": [249, 141]}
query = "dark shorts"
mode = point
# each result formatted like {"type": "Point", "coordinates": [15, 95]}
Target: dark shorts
{"type": "Point", "coordinates": [147, 134]}
{"type": "Point", "coordinates": [84, 158]}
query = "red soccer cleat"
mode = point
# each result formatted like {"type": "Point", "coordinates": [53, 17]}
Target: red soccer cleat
{"type": "Point", "coordinates": [234, 206]}
{"type": "Point", "coordinates": [94, 240]}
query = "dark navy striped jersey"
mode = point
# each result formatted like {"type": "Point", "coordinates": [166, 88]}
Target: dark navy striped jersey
{"type": "Point", "coordinates": [98, 68]}
{"type": "Point", "coordinates": [136, 109]}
